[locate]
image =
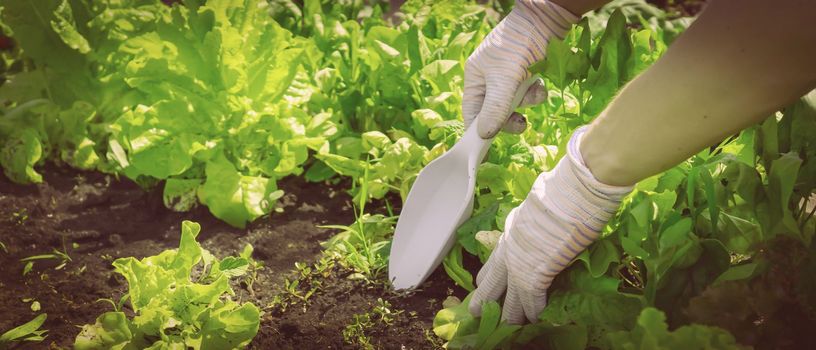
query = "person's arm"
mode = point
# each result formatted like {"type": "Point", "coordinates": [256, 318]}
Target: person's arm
{"type": "Point", "coordinates": [738, 62]}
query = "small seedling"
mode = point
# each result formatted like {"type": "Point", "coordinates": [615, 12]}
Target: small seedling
{"type": "Point", "coordinates": [307, 280]}
{"type": "Point", "coordinates": [253, 268]}
{"type": "Point", "coordinates": [354, 334]}
{"type": "Point", "coordinates": [20, 217]}
{"type": "Point", "coordinates": [384, 312]}
{"type": "Point", "coordinates": [30, 331]}
{"type": "Point", "coordinates": [61, 256]}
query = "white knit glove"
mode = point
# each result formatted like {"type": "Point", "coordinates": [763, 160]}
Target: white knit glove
{"type": "Point", "coordinates": [498, 67]}
{"type": "Point", "coordinates": [564, 212]}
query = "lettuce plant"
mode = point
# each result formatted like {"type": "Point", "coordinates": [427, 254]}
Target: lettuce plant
{"type": "Point", "coordinates": [199, 98]}
{"type": "Point", "coordinates": [181, 299]}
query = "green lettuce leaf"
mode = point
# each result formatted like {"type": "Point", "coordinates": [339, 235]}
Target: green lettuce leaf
{"type": "Point", "coordinates": [172, 309]}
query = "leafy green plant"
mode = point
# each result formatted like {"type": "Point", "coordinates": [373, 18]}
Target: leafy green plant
{"type": "Point", "coordinates": [215, 101]}
{"type": "Point", "coordinates": [462, 330]}
{"type": "Point", "coordinates": [363, 246]}
{"type": "Point", "coordinates": [212, 104]}
{"type": "Point", "coordinates": [181, 298]}
{"type": "Point", "coordinates": [29, 331]}
{"type": "Point", "coordinates": [677, 238]}
{"type": "Point", "coordinates": [196, 96]}
{"type": "Point", "coordinates": [253, 267]}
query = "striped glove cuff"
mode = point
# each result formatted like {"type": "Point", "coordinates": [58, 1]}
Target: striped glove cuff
{"type": "Point", "coordinates": [573, 193]}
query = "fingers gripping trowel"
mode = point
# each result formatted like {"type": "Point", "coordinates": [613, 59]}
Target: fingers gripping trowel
{"type": "Point", "coordinates": [440, 200]}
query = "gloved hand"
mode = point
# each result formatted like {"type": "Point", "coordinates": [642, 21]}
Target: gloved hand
{"type": "Point", "coordinates": [498, 67]}
{"type": "Point", "coordinates": [564, 212]}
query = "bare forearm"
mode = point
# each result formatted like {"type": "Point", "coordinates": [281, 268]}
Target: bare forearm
{"type": "Point", "coordinates": [739, 62]}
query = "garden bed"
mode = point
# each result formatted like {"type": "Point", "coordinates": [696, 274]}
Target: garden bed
{"type": "Point", "coordinates": [328, 113]}
{"type": "Point", "coordinates": [95, 218]}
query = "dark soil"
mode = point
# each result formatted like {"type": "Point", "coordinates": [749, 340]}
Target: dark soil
{"type": "Point", "coordinates": [110, 218]}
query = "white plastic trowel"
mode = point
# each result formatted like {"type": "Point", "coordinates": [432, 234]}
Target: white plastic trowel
{"type": "Point", "coordinates": [440, 200]}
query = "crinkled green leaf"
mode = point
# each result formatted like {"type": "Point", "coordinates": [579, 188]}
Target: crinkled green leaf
{"type": "Point", "coordinates": [189, 251]}
{"type": "Point", "coordinates": [63, 24]}
{"type": "Point", "coordinates": [455, 321]}
{"type": "Point", "coordinates": [180, 194]}
{"type": "Point", "coordinates": [111, 331]}
{"type": "Point", "coordinates": [19, 155]}
{"type": "Point", "coordinates": [229, 327]}
{"type": "Point", "coordinates": [232, 197]}
{"type": "Point", "coordinates": [172, 309]}
{"type": "Point", "coordinates": [234, 267]}
{"type": "Point", "coordinates": [609, 63]}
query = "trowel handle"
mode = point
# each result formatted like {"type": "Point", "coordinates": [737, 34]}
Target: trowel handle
{"type": "Point", "coordinates": [473, 145]}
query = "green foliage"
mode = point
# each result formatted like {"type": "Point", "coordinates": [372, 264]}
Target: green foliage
{"type": "Point", "coordinates": [21, 153]}
{"type": "Point", "coordinates": [29, 331]}
{"type": "Point", "coordinates": [679, 238]}
{"type": "Point", "coordinates": [652, 332]}
{"type": "Point", "coordinates": [181, 298]}
{"type": "Point", "coordinates": [202, 93]}
{"type": "Point", "coordinates": [453, 266]}
{"type": "Point", "coordinates": [457, 325]}
{"type": "Point", "coordinates": [217, 100]}
{"type": "Point", "coordinates": [590, 305]}
{"type": "Point", "coordinates": [202, 98]}
{"type": "Point", "coordinates": [364, 245]}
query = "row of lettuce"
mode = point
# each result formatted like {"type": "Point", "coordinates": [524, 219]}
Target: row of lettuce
{"type": "Point", "coordinates": [215, 101]}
